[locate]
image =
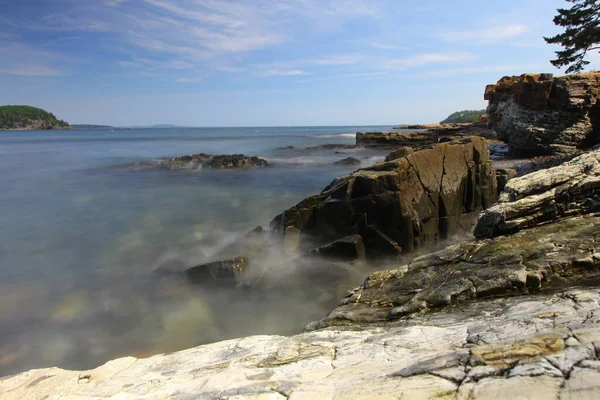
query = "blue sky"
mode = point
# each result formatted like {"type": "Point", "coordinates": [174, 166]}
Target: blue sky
{"type": "Point", "coordinates": [266, 62]}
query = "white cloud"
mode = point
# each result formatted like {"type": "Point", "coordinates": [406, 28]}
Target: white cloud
{"type": "Point", "coordinates": [501, 69]}
{"type": "Point", "coordinates": [384, 46]}
{"type": "Point", "coordinates": [30, 70]}
{"type": "Point", "coordinates": [487, 35]}
{"type": "Point", "coordinates": [429, 58]}
{"type": "Point", "coordinates": [275, 72]}
{"type": "Point", "coordinates": [188, 80]}
{"type": "Point", "coordinates": [349, 76]}
{"type": "Point", "coordinates": [23, 59]}
{"type": "Point", "coordinates": [197, 15]}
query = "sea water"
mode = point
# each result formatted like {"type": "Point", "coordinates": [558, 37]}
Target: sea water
{"type": "Point", "coordinates": [85, 223]}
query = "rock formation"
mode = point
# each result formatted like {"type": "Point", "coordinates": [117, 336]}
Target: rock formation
{"type": "Point", "coordinates": [202, 160]}
{"type": "Point", "coordinates": [526, 262]}
{"type": "Point", "coordinates": [572, 188]}
{"type": "Point", "coordinates": [400, 205]}
{"type": "Point", "coordinates": [432, 134]}
{"type": "Point", "coordinates": [538, 114]}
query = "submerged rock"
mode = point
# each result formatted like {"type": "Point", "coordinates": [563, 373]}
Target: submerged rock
{"type": "Point", "coordinates": [572, 188]}
{"type": "Point", "coordinates": [537, 114]}
{"type": "Point", "coordinates": [401, 205]}
{"type": "Point", "coordinates": [202, 160]}
{"type": "Point", "coordinates": [348, 161]}
{"type": "Point", "coordinates": [331, 146]}
{"type": "Point", "coordinates": [226, 272]}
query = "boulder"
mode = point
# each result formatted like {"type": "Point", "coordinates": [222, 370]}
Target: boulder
{"type": "Point", "coordinates": [400, 205]}
{"type": "Point", "coordinates": [572, 188]}
{"type": "Point", "coordinates": [348, 161]}
{"type": "Point", "coordinates": [202, 160]}
{"type": "Point", "coordinates": [538, 114]}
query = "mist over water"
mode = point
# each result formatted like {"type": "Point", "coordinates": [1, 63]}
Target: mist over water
{"type": "Point", "coordinates": [85, 225]}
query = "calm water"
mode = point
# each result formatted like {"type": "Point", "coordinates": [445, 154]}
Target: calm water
{"type": "Point", "coordinates": [83, 229]}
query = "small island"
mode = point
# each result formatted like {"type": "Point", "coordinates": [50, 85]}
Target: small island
{"type": "Point", "coordinates": [29, 118]}
{"type": "Point", "coordinates": [464, 116]}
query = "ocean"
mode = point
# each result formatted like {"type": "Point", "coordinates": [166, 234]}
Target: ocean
{"type": "Point", "coordinates": [86, 222]}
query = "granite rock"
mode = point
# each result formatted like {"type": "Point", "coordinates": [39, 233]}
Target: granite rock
{"type": "Point", "coordinates": [572, 188]}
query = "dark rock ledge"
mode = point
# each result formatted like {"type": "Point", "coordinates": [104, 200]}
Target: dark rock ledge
{"type": "Point", "coordinates": [202, 160]}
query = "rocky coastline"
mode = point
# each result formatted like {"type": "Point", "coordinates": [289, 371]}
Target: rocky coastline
{"type": "Point", "coordinates": [494, 285]}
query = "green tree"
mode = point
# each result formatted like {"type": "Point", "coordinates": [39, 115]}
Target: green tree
{"type": "Point", "coordinates": [582, 34]}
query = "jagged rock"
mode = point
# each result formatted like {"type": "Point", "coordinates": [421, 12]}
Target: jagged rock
{"type": "Point", "coordinates": [536, 259]}
{"type": "Point", "coordinates": [538, 114]}
{"type": "Point", "coordinates": [348, 161]}
{"type": "Point", "coordinates": [348, 248]}
{"type": "Point", "coordinates": [399, 153]}
{"type": "Point", "coordinates": [401, 205]}
{"type": "Point", "coordinates": [569, 189]}
{"type": "Point", "coordinates": [210, 161]}
{"type": "Point", "coordinates": [437, 355]}
{"type": "Point", "coordinates": [226, 272]}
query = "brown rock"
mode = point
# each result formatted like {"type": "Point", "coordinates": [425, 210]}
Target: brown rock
{"type": "Point", "coordinates": [540, 115]}
{"type": "Point", "coordinates": [401, 205]}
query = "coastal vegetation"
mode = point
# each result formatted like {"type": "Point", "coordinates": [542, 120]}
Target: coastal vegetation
{"type": "Point", "coordinates": [464, 116]}
{"type": "Point", "coordinates": [581, 35]}
{"type": "Point", "coordinates": [27, 117]}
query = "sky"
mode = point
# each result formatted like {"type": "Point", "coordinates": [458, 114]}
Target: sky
{"type": "Point", "coordinates": [267, 62]}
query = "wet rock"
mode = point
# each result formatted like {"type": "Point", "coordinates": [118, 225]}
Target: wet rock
{"type": "Point", "coordinates": [401, 205]}
{"type": "Point", "coordinates": [348, 248]}
{"type": "Point", "coordinates": [537, 114]}
{"type": "Point", "coordinates": [533, 260]}
{"type": "Point", "coordinates": [572, 188]}
{"type": "Point", "coordinates": [348, 161]}
{"type": "Point", "coordinates": [226, 272]}
{"type": "Point", "coordinates": [202, 160]}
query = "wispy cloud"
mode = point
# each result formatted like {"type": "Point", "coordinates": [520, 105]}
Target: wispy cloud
{"type": "Point", "coordinates": [501, 68]}
{"type": "Point", "coordinates": [385, 46]}
{"type": "Point", "coordinates": [275, 72]}
{"type": "Point", "coordinates": [429, 58]}
{"type": "Point", "coordinates": [487, 35]}
{"type": "Point", "coordinates": [30, 70]}
{"type": "Point", "coordinates": [26, 60]}
{"type": "Point", "coordinates": [188, 80]}
{"type": "Point", "coordinates": [349, 76]}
